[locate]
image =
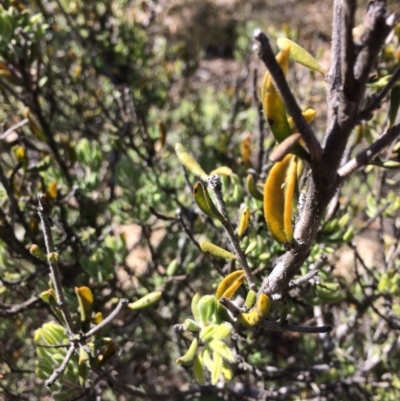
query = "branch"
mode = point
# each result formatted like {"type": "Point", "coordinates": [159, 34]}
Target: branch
{"type": "Point", "coordinates": [13, 128]}
{"type": "Point", "coordinates": [260, 124]}
{"type": "Point", "coordinates": [351, 86]}
{"type": "Point", "coordinates": [268, 57]}
{"type": "Point", "coordinates": [14, 309]}
{"type": "Point", "coordinates": [121, 304]}
{"type": "Point", "coordinates": [366, 113]}
{"type": "Point", "coordinates": [215, 184]}
{"type": "Point", "coordinates": [54, 271]}
{"type": "Point", "coordinates": [57, 372]}
{"type": "Point", "coordinates": [275, 326]}
{"type": "Point", "coordinates": [366, 155]}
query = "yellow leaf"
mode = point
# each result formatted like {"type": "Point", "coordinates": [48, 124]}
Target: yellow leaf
{"type": "Point", "coordinates": [245, 149]}
{"type": "Point", "coordinates": [291, 182]}
{"type": "Point", "coordinates": [300, 55]}
{"type": "Point", "coordinates": [223, 170]}
{"type": "Point", "coordinates": [187, 160]}
{"type": "Point", "coordinates": [232, 279]}
{"type": "Point", "coordinates": [214, 250]}
{"type": "Point", "coordinates": [274, 199]}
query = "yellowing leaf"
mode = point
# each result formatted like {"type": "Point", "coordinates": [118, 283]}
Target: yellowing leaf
{"type": "Point", "coordinates": [244, 221]}
{"type": "Point", "coordinates": [274, 108]}
{"type": "Point", "coordinates": [300, 55]}
{"type": "Point", "coordinates": [214, 250]}
{"type": "Point", "coordinates": [51, 191]}
{"type": "Point", "coordinates": [274, 199]}
{"type": "Point", "coordinates": [187, 160]}
{"type": "Point", "coordinates": [228, 286]}
{"type": "Point", "coordinates": [291, 182]}
{"type": "Point", "coordinates": [85, 299]}
{"type": "Point", "coordinates": [245, 149]}
{"type": "Point", "coordinates": [162, 137]}
{"type": "Point", "coordinates": [223, 170]}
{"type": "Point", "coordinates": [146, 302]}
{"type": "Point", "coordinates": [309, 116]}
{"type": "Point", "coordinates": [204, 201]}
{"type": "Point", "coordinates": [34, 124]}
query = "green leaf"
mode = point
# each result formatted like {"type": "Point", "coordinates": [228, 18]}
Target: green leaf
{"type": "Point", "coordinates": [206, 308]}
{"type": "Point", "coordinates": [207, 360]}
{"type": "Point", "coordinates": [216, 368]}
{"type": "Point", "coordinates": [222, 349]}
{"type": "Point", "coordinates": [223, 330]}
{"type": "Point", "coordinates": [189, 357]}
{"type": "Point", "coordinates": [187, 160]}
{"type": "Point", "coordinates": [207, 333]}
{"type": "Point", "coordinates": [198, 369]}
{"type": "Point", "coordinates": [227, 371]}
{"type": "Point", "coordinates": [204, 201]}
{"type": "Point", "coordinates": [300, 55]}
{"type": "Point", "coordinates": [214, 250]}
{"type": "Point", "coordinates": [195, 308]}
{"type": "Point", "coordinates": [252, 189]}
{"type": "Point", "coordinates": [146, 302]}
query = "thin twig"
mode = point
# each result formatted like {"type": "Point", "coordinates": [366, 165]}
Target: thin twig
{"type": "Point", "coordinates": [367, 154]}
{"type": "Point", "coordinates": [303, 279]}
{"type": "Point", "coordinates": [13, 128]}
{"type": "Point", "coordinates": [260, 123]}
{"type": "Point", "coordinates": [275, 326]}
{"type": "Point", "coordinates": [54, 271]}
{"type": "Point", "coordinates": [57, 372]}
{"type": "Point", "coordinates": [267, 56]}
{"type": "Point", "coordinates": [376, 100]}
{"type": "Point", "coordinates": [123, 302]}
{"type": "Point", "coordinates": [215, 184]}
{"type": "Point", "coordinates": [14, 309]}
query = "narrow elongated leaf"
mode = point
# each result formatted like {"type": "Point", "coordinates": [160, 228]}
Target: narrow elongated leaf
{"type": "Point", "coordinates": [214, 250]}
{"type": "Point", "coordinates": [290, 186]}
{"type": "Point", "coordinates": [226, 371]}
{"type": "Point", "coordinates": [85, 300]}
{"type": "Point", "coordinates": [206, 308]}
{"type": "Point", "coordinates": [190, 355]}
{"type": "Point", "coordinates": [300, 55]}
{"type": "Point", "coordinates": [252, 189]}
{"type": "Point", "coordinates": [273, 105]}
{"type": "Point", "coordinates": [274, 199]}
{"type": "Point", "coordinates": [222, 349]}
{"type": "Point", "coordinates": [198, 369]}
{"type": "Point", "coordinates": [244, 221]}
{"type": "Point", "coordinates": [223, 330]}
{"type": "Point", "coordinates": [204, 201]}
{"type": "Point", "coordinates": [146, 302]}
{"type": "Point", "coordinates": [195, 307]}
{"type": "Point", "coordinates": [309, 116]}
{"type": "Point", "coordinates": [245, 149]}
{"type": "Point", "coordinates": [216, 368]}
{"type": "Point", "coordinates": [223, 170]}
{"type": "Point", "coordinates": [227, 283]}
{"type": "Point", "coordinates": [187, 160]}
{"type": "Point", "coordinates": [284, 148]}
